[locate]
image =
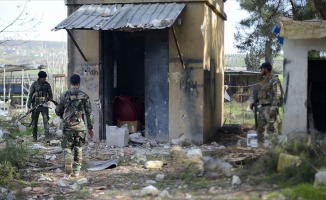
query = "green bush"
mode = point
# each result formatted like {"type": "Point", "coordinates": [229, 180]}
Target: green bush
{"type": "Point", "coordinates": [6, 172]}
{"type": "Point", "coordinates": [16, 154]}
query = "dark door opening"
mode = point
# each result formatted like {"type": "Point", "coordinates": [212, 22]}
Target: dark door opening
{"type": "Point", "coordinates": [317, 95]}
{"type": "Point", "coordinates": [135, 70]}
{"type": "Point", "coordinates": [123, 77]}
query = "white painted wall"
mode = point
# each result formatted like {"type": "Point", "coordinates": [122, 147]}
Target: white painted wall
{"type": "Point", "coordinates": [295, 109]}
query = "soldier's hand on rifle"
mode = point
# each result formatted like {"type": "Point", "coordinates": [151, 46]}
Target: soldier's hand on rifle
{"type": "Point", "coordinates": [251, 105]}
{"type": "Point", "coordinates": [91, 133]}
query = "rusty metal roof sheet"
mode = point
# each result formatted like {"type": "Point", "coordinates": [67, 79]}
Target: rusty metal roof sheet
{"type": "Point", "coordinates": [124, 17]}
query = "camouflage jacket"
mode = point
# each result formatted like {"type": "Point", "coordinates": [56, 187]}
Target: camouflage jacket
{"type": "Point", "coordinates": [39, 92]}
{"type": "Point", "coordinates": [270, 91]}
{"type": "Point", "coordinates": [74, 108]}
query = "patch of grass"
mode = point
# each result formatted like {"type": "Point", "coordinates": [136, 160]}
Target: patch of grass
{"type": "Point", "coordinates": [185, 175]}
{"type": "Point", "coordinates": [304, 173]}
{"type": "Point", "coordinates": [305, 191]}
{"type": "Point", "coordinates": [135, 187]}
{"type": "Point", "coordinates": [267, 162]}
{"type": "Point", "coordinates": [202, 183]}
{"type": "Point", "coordinates": [16, 154]}
{"type": "Point", "coordinates": [273, 196]}
{"type": "Point", "coordinates": [14, 131]}
{"type": "Point", "coordinates": [311, 159]}
{"type": "Point", "coordinates": [6, 172]}
{"type": "Point", "coordinates": [236, 113]}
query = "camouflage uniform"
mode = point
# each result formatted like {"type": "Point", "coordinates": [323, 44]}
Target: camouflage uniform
{"type": "Point", "coordinates": [39, 93]}
{"type": "Point", "coordinates": [268, 98]}
{"type": "Point", "coordinates": [74, 107]}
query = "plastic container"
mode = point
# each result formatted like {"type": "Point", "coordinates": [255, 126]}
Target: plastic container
{"type": "Point", "coordinates": [286, 160]}
{"type": "Point", "coordinates": [252, 140]}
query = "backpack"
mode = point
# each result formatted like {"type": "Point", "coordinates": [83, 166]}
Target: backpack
{"type": "Point", "coordinates": [271, 83]}
{"type": "Point", "coordinates": [73, 112]}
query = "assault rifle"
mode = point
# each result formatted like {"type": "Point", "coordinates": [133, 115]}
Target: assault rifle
{"type": "Point", "coordinates": [255, 96]}
{"type": "Point", "coordinates": [32, 110]}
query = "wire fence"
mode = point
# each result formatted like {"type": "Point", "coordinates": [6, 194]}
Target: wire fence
{"type": "Point", "coordinates": [237, 106]}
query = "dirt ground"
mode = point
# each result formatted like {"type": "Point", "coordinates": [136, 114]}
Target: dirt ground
{"type": "Point", "coordinates": [43, 177]}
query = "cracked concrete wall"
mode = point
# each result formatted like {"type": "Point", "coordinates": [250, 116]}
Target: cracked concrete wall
{"type": "Point", "coordinates": [88, 70]}
{"type": "Point", "coordinates": [295, 108]}
{"type": "Point", "coordinates": [196, 91]}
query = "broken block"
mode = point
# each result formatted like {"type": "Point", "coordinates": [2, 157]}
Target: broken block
{"type": "Point", "coordinates": [117, 136]}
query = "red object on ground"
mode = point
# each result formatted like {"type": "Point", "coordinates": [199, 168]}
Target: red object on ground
{"type": "Point", "coordinates": [126, 108]}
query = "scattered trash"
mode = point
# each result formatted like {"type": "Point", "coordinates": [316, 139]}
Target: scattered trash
{"type": "Point", "coordinates": [160, 177]}
{"type": "Point", "coordinates": [37, 146]}
{"type": "Point", "coordinates": [252, 139]}
{"type": "Point", "coordinates": [320, 179]}
{"type": "Point", "coordinates": [286, 160]}
{"type": "Point", "coordinates": [101, 165]}
{"type": "Point", "coordinates": [82, 181]}
{"type": "Point", "coordinates": [150, 190]}
{"type": "Point", "coordinates": [154, 164]}
{"type": "Point", "coordinates": [236, 180]}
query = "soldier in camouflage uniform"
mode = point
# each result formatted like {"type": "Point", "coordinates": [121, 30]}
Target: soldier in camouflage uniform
{"type": "Point", "coordinates": [74, 108]}
{"type": "Point", "coordinates": [39, 93]}
{"type": "Point", "coordinates": [269, 94]}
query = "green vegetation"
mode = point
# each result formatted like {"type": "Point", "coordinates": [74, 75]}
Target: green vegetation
{"type": "Point", "coordinates": [238, 113]}
{"type": "Point", "coordinates": [6, 172]}
{"type": "Point", "coordinates": [297, 180]}
{"type": "Point", "coordinates": [15, 152]}
{"type": "Point", "coordinates": [305, 192]}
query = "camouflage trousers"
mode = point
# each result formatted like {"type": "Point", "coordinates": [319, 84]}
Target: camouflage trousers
{"type": "Point", "coordinates": [72, 144]}
{"type": "Point", "coordinates": [270, 125]}
{"type": "Point", "coordinates": [35, 116]}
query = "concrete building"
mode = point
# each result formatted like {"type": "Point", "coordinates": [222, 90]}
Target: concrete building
{"type": "Point", "coordinates": [168, 54]}
{"type": "Point", "coordinates": [304, 71]}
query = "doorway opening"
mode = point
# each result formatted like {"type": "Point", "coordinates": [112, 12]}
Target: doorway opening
{"type": "Point", "coordinates": [316, 91]}
{"type": "Point", "coordinates": [123, 78]}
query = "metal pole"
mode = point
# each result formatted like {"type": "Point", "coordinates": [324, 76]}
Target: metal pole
{"type": "Point", "coordinates": [4, 88]}
{"type": "Point", "coordinates": [22, 90]}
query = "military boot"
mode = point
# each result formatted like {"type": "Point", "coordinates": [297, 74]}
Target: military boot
{"type": "Point", "coordinates": [76, 169]}
{"type": "Point", "coordinates": [68, 163]}
{"type": "Point", "coordinates": [34, 138]}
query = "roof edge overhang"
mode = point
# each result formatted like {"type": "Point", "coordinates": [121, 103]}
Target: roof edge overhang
{"type": "Point", "coordinates": [211, 3]}
{"type": "Point", "coordinates": [122, 17]}
{"type": "Point", "coordinates": [312, 29]}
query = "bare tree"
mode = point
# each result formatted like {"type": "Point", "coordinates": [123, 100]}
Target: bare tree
{"type": "Point", "coordinates": [23, 23]}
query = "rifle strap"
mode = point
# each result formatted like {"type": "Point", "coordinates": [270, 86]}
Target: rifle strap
{"type": "Point", "coordinates": [27, 124]}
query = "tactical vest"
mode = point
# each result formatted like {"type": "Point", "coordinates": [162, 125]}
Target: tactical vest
{"type": "Point", "coordinates": [41, 94]}
{"type": "Point", "coordinates": [266, 94]}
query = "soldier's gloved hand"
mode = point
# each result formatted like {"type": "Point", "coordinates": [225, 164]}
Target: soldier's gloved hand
{"type": "Point", "coordinates": [251, 105]}
{"type": "Point", "coordinates": [91, 133]}
{"type": "Point", "coordinates": [272, 113]}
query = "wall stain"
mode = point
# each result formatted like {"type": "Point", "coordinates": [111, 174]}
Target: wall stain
{"type": "Point", "coordinates": [87, 74]}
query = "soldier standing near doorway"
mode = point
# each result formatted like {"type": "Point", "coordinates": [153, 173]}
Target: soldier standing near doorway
{"type": "Point", "coordinates": [268, 99]}
{"type": "Point", "coordinates": [74, 107]}
{"type": "Point", "coordinates": [40, 92]}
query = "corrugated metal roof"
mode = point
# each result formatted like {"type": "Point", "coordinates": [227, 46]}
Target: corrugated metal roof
{"type": "Point", "coordinates": [123, 17]}
{"type": "Point", "coordinates": [25, 67]}
{"type": "Point", "coordinates": [245, 72]}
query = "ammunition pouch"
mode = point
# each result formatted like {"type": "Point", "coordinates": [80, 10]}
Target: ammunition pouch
{"type": "Point", "coordinates": [262, 94]}
{"type": "Point", "coordinates": [40, 100]}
